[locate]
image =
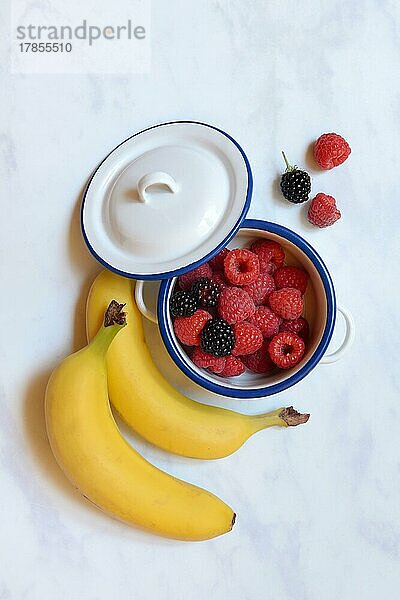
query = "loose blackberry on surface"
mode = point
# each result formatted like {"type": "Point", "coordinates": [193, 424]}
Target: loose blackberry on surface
{"type": "Point", "coordinates": [295, 184]}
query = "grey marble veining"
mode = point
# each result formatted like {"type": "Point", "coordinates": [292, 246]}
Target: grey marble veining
{"type": "Point", "coordinates": [318, 506]}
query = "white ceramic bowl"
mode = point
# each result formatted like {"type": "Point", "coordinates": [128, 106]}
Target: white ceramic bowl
{"type": "Point", "coordinates": [320, 312]}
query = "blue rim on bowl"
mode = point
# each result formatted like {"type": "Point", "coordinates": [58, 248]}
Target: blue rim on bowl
{"type": "Point", "coordinates": [173, 345]}
{"type": "Point", "coordinates": [189, 267]}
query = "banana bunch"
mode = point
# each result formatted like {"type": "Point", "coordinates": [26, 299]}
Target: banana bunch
{"type": "Point", "coordinates": [95, 456]}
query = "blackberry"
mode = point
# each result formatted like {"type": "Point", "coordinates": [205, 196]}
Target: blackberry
{"type": "Point", "coordinates": [206, 292]}
{"type": "Point", "coordinates": [295, 184]}
{"type": "Point", "coordinates": [183, 304]}
{"type": "Point", "coordinates": [217, 338]}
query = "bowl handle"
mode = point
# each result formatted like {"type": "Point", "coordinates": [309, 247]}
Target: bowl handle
{"type": "Point", "coordinates": [146, 312]}
{"type": "Point", "coordinates": [348, 338]}
{"type": "Point", "coordinates": [157, 178]}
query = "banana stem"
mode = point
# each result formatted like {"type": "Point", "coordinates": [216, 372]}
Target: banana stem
{"type": "Point", "coordinates": [281, 417]}
{"type": "Point", "coordinates": [114, 321]}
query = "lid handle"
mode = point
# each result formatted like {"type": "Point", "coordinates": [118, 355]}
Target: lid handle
{"type": "Point", "coordinates": [156, 178]}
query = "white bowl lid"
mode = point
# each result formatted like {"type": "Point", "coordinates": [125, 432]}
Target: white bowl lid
{"type": "Point", "coordinates": [166, 200]}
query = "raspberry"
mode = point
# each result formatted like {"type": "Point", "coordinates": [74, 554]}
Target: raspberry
{"type": "Point", "coordinates": [260, 361]}
{"type": "Point", "coordinates": [322, 211]}
{"type": "Point", "coordinates": [219, 278]}
{"type": "Point", "coordinates": [207, 361]}
{"type": "Point", "coordinates": [186, 281]}
{"type": "Point", "coordinates": [248, 338]}
{"type": "Point", "coordinates": [261, 288]}
{"type": "Point", "coordinates": [331, 150]}
{"type": "Point", "coordinates": [270, 268]}
{"type": "Point", "coordinates": [183, 304]}
{"type": "Point", "coordinates": [233, 367]}
{"type": "Point", "coordinates": [217, 263]}
{"type": "Point", "coordinates": [188, 329]}
{"type": "Point", "coordinates": [292, 277]}
{"type": "Point", "coordinates": [286, 303]}
{"type": "Point", "coordinates": [206, 292]}
{"type": "Point", "coordinates": [268, 252]}
{"type": "Point", "coordinates": [217, 338]}
{"type": "Point", "coordinates": [241, 266]}
{"type": "Point", "coordinates": [286, 349]}
{"type": "Point", "coordinates": [266, 321]}
{"type": "Point", "coordinates": [235, 305]}
{"type": "Point", "coordinates": [298, 326]}
{"type": "Point", "coordinates": [295, 184]}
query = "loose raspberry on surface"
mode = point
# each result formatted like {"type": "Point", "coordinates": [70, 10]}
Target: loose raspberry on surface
{"type": "Point", "coordinates": [331, 150]}
{"type": "Point", "coordinates": [187, 280]}
{"type": "Point", "coordinates": [217, 263]}
{"type": "Point", "coordinates": [291, 277]}
{"type": "Point", "coordinates": [286, 303]}
{"type": "Point", "coordinates": [298, 326]}
{"type": "Point", "coordinates": [261, 288]}
{"type": "Point", "coordinates": [207, 361]}
{"type": "Point", "coordinates": [286, 349]}
{"type": "Point", "coordinates": [322, 211]}
{"type": "Point", "coordinates": [235, 305]}
{"type": "Point", "coordinates": [266, 320]}
{"type": "Point", "coordinates": [241, 266]}
{"type": "Point", "coordinates": [268, 252]}
{"type": "Point", "coordinates": [248, 338]}
{"type": "Point", "coordinates": [188, 329]}
{"type": "Point", "coordinates": [260, 361]}
{"type": "Point", "coordinates": [219, 278]}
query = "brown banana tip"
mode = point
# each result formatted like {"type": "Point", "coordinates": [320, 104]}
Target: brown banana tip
{"type": "Point", "coordinates": [233, 520]}
{"type": "Point", "coordinates": [114, 314]}
{"type": "Point", "coordinates": [292, 417]}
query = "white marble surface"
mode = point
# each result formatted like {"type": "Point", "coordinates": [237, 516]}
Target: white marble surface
{"type": "Point", "coordinates": [319, 506]}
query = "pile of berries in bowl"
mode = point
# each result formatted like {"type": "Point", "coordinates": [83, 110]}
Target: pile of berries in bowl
{"type": "Point", "coordinates": [242, 311]}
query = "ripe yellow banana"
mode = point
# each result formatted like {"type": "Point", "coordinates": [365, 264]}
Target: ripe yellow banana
{"type": "Point", "coordinates": [104, 467]}
{"type": "Point", "coordinates": [150, 405]}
